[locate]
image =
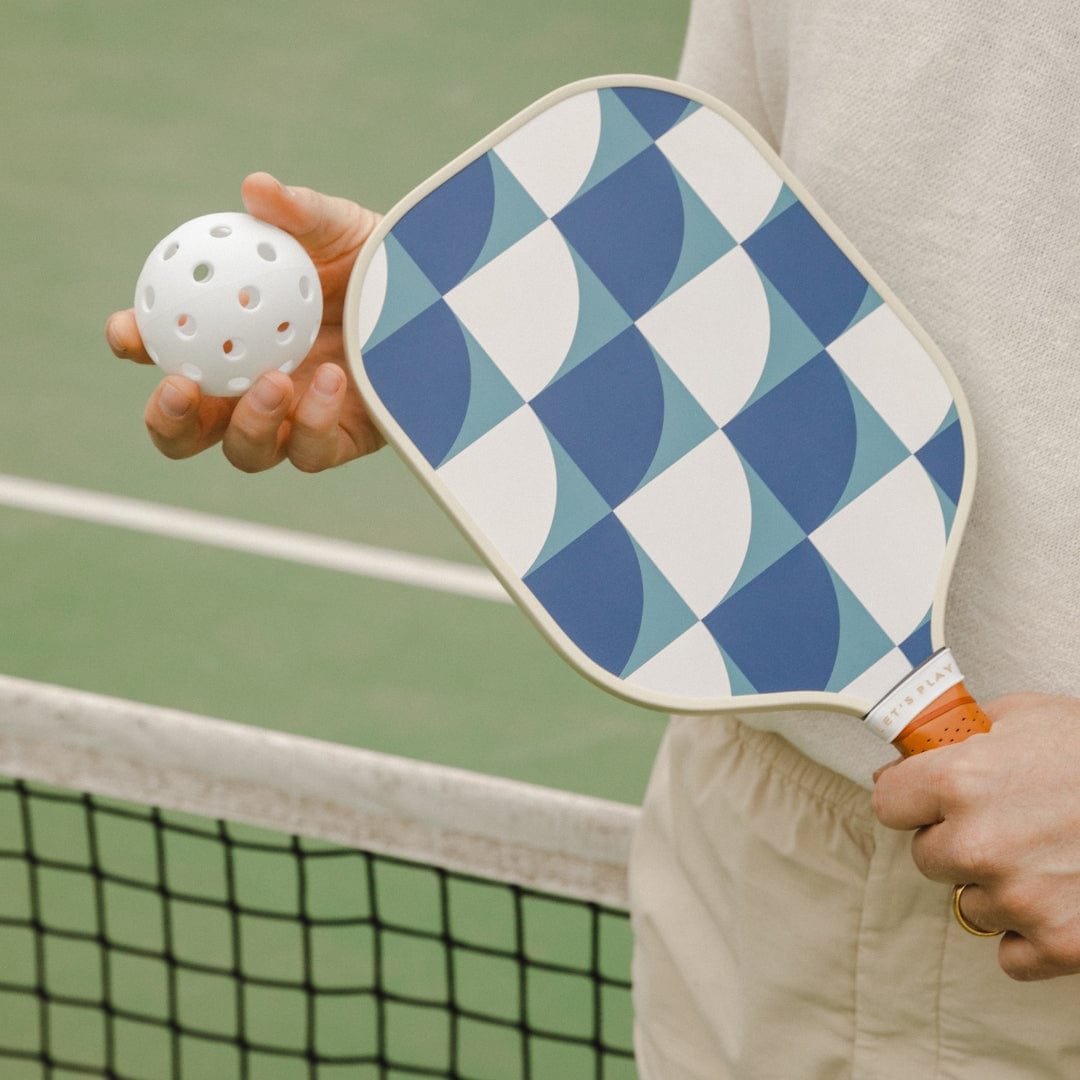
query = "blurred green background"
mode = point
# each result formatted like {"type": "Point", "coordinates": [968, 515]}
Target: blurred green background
{"type": "Point", "coordinates": [121, 120]}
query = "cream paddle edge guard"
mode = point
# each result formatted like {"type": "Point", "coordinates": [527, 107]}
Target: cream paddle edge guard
{"type": "Point", "coordinates": [854, 679]}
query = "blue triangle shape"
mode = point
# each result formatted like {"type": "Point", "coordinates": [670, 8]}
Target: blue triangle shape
{"type": "Point", "coordinates": [773, 531]}
{"type": "Point", "coordinates": [862, 641]}
{"type": "Point", "coordinates": [870, 302]}
{"type": "Point", "coordinates": [877, 449]}
{"type": "Point", "coordinates": [408, 292]}
{"type": "Point", "coordinates": [601, 318]}
{"type": "Point", "coordinates": [704, 238]}
{"type": "Point", "coordinates": [656, 110]}
{"type": "Point", "coordinates": [791, 342]}
{"type": "Point", "coordinates": [491, 397]}
{"type": "Point", "coordinates": [786, 198]}
{"type": "Point", "coordinates": [951, 417]}
{"type": "Point", "coordinates": [621, 139]}
{"type": "Point", "coordinates": [514, 214]}
{"type": "Point", "coordinates": [578, 505]}
{"type": "Point", "coordinates": [943, 458]}
{"type": "Point", "coordinates": [664, 615]}
{"type": "Point", "coordinates": [741, 686]}
{"type": "Point", "coordinates": [948, 507]}
{"type": "Point", "coordinates": [918, 646]}
{"type": "Point", "coordinates": [686, 424]}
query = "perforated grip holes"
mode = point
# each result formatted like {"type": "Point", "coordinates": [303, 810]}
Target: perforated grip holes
{"type": "Point", "coordinates": [951, 719]}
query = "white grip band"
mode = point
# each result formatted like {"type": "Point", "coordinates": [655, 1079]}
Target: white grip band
{"type": "Point", "coordinates": [907, 699]}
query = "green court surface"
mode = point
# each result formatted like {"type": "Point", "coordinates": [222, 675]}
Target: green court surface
{"type": "Point", "coordinates": [122, 119]}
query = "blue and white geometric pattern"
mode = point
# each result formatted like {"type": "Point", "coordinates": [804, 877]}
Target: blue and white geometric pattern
{"type": "Point", "coordinates": [668, 399]}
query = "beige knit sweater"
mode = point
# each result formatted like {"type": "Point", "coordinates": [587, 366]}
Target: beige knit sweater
{"type": "Point", "coordinates": [944, 140]}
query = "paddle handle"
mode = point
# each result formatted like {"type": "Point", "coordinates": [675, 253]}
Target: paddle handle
{"type": "Point", "coordinates": [950, 719]}
{"type": "Point", "coordinates": [928, 709]}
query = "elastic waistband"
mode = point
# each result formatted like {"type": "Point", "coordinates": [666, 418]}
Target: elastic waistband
{"type": "Point", "coordinates": [779, 757]}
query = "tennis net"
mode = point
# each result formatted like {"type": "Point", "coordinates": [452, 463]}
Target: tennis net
{"type": "Point", "coordinates": [182, 897]}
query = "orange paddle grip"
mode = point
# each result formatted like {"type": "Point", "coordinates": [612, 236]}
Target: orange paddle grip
{"type": "Point", "coordinates": [951, 718]}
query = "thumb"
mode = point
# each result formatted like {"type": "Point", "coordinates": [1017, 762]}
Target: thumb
{"type": "Point", "coordinates": [328, 226]}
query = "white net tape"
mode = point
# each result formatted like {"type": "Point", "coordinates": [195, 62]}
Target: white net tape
{"type": "Point", "coordinates": [552, 841]}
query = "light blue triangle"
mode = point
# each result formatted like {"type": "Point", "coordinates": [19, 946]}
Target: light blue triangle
{"type": "Point", "coordinates": [704, 238]}
{"type": "Point", "coordinates": [785, 199]}
{"type": "Point", "coordinates": [491, 397]}
{"type": "Point", "coordinates": [948, 507]}
{"type": "Point", "coordinates": [408, 292]}
{"type": "Point", "coordinates": [741, 686]}
{"type": "Point", "coordinates": [601, 318]}
{"type": "Point", "coordinates": [870, 302]}
{"type": "Point", "coordinates": [515, 213]}
{"type": "Point", "coordinates": [862, 641]}
{"type": "Point", "coordinates": [622, 138]}
{"type": "Point", "coordinates": [877, 449]}
{"type": "Point", "coordinates": [664, 614]}
{"type": "Point", "coordinates": [773, 531]}
{"type": "Point", "coordinates": [791, 342]}
{"type": "Point", "coordinates": [578, 505]}
{"type": "Point", "coordinates": [951, 417]}
{"type": "Point", "coordinates": [686, 424]}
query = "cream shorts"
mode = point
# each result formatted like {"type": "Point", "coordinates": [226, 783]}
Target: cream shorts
{"type": "Point", "coordinates": [781, 933]}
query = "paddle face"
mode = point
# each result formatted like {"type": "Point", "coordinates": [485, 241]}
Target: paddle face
{"type": "Point", "coordinates": [698, 440]}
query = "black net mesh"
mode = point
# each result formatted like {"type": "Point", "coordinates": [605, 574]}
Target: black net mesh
{"type": "Point", "coordinates": [145, 944]}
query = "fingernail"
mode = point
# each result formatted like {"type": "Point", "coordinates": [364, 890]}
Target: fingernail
{"type": "Point", "coordinates": [327, 381]}
{"type": "Point", "coordinates": [267, 395]}
{"type": "Point", "coordinates": [173, 401]}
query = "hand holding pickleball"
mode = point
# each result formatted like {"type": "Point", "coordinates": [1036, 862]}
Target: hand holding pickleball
{"type": "Point", "coordinates": [315, 416]}
{"type": "Point", "coordinates": [225, 298]}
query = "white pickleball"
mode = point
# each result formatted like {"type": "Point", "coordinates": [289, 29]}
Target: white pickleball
{"type": "Point", "coordinates": [226, 297]}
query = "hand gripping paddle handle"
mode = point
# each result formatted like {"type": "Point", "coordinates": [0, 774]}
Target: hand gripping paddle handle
{"type": "Point", "coordinates": [928, 709]}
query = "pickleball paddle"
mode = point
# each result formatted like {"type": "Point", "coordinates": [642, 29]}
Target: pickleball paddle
{"type": "Point", "coordinates": [699, 441]}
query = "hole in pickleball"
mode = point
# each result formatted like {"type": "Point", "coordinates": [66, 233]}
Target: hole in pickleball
{"type": "Point", "coordinates": [221, 231]}
{"type": "Point", "coordinates": [192, 371]}
{"type": "Point", "coordinates": [185, 326]}
{"type": "Point", "coordinates": [203, 272]}
{"type": "Point", "coordinates": [267, 251]}
{"type": "Point", "coordinates": [148, 297]}
{"type": "Point", "coordinates": [233, 349]}
{"type": "Point", "coordinates": [249, 297]}
{"type": "Point", "coordinates": [305, 288]}
{"type": "Point", "coordinates": [170, 251]}
{"type": "Point", "coordinates": [239, 384]}
{"type": "Point", "coordinates": [285, 333]}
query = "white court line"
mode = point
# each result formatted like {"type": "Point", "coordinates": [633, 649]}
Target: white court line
{"type": "Point", "coordinates": [271, 541]}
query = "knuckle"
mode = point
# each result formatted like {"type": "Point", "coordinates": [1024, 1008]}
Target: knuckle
{"type": "Point", "coordinates": [307, 458]}
{"type": "Point", "coordinates": [173, 449]}
{"type": "Point", "coordinates": [1022, 972]}
{"type": "Point", "coordinates": [241, 457]}
{"type": "Point", "coordinates": [976, 850]}
{"type": "Point", "coordinates": [306, 464]}
{"type": "Point", "coordinates": [173, 453]}
{"type": "Point", "coordinates": [248, 430]}
{"type": "Point", "coordinates": [1021, 907]}
{"type": "Point", "coordinates": [954, 779]}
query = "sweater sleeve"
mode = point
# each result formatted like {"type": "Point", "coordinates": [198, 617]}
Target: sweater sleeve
{"type": "Point", "coordinates": [723, 56]}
